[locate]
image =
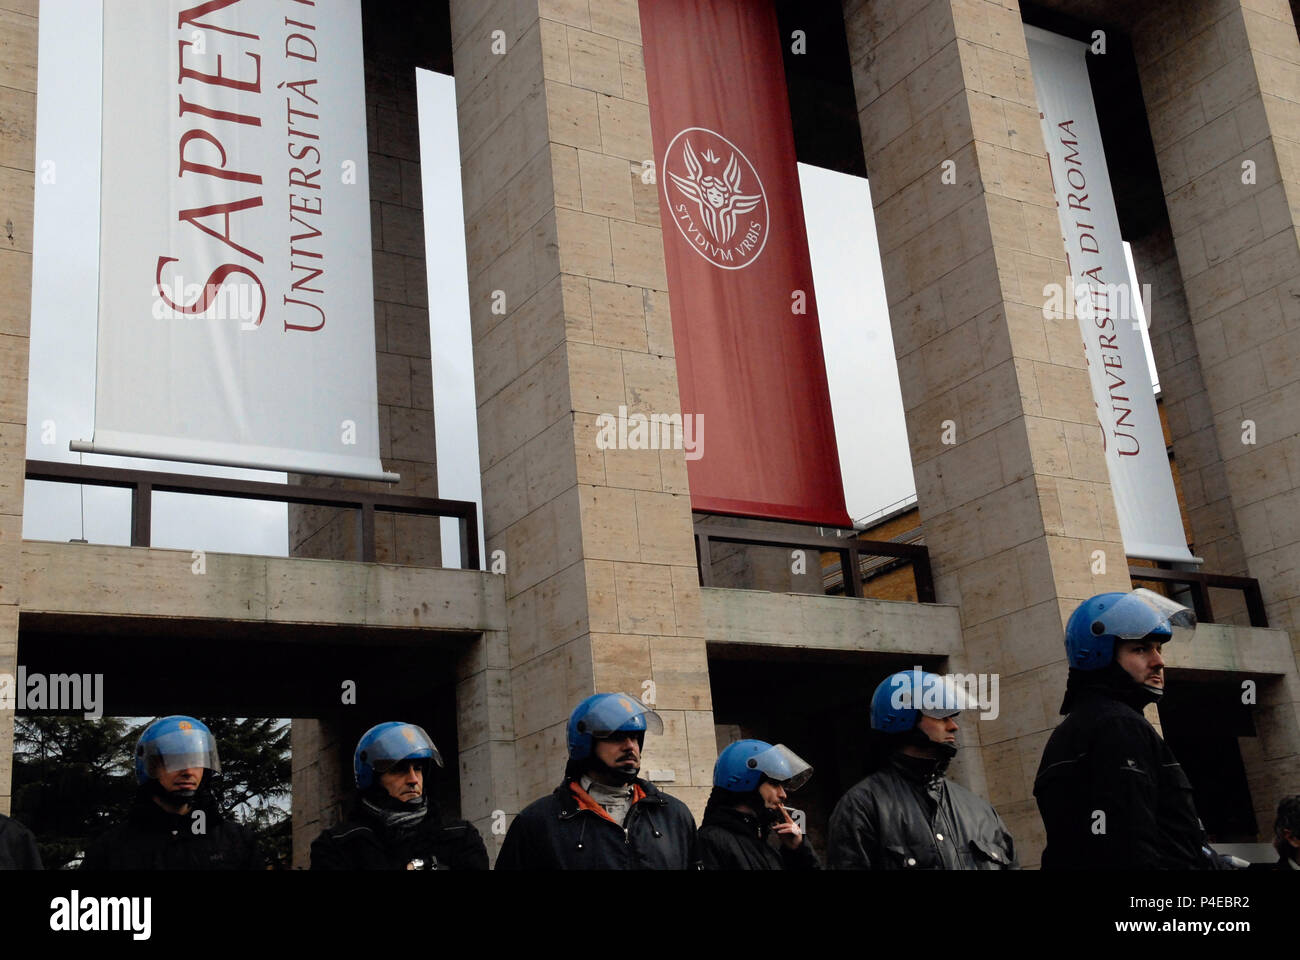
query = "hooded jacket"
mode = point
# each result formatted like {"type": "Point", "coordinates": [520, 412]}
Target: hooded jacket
{"type": "Point", "coordinates": [1111, 793]}
{"type": "Point", "coordinates": [155, 839]}
{"type": "Point", "coordinates": [730, 839]}
{"type": "Point", "coordinates": [365, 842]}
{"type": "Point", "coordinates": [909, 816]}
{"type": "Point", "coordinates": [567, 830]}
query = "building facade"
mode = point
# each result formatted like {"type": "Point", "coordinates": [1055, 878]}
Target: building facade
{"type": "Point", "coordinates": [601, 588]}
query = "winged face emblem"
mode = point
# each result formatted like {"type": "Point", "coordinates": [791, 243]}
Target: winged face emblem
{"type": "Point", "coordinates": [719, 198]}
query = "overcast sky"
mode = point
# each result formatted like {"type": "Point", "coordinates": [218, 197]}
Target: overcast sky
{"type": "Point", "coordinates": [846, 267]}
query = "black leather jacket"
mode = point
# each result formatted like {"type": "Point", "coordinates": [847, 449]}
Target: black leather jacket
{"type": "Point", "coordinates": [155, 839]}
{"type": "Point", "coordinates": [732, 840]}
{"type": "Point", "coordinates": [555, 833]}
{"type": "Point", "coordinates": [1105, 760]}
{"type": "Point", "coordinates": [908, 816]}
{"type": "Point", "coordinates": [363, 842]}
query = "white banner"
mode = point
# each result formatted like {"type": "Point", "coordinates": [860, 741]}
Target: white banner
{"type": "Point", "coordinates": [1105, 303]}
{"type": "Point", "coordinates": [236, 319]}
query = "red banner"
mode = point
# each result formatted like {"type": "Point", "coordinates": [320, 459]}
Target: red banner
{"type": "Point", "coordinates": [748, 360]}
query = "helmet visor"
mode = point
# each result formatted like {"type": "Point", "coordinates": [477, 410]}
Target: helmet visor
{"type": "Point", "coordinates": [181, 750]}
{"type": "Point", "coordinates": [1144, 611]}
{"type": "Point", "coordinates": [620, 714]}
{"type": "Point", "coordinates": [407, 742]}
{"type": "Point", "coordinates": [941, 697]}
{"type": "Point", "coordinates": [783, 765]}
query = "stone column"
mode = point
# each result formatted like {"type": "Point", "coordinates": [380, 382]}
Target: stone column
{"type": "Point", "coordinates": [570, 318]}
{"type": "Point", "coordinates": [17, 200]}
{"type": "Point", "coordinates": [1221, 80]}
{"type": "Point", "coordinates": [1015, 508]}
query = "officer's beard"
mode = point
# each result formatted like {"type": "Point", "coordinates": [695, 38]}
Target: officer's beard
{"type": "Point", "coordinates": [1131, 691]}
{"type": "Point", "coordinates": [611, 775]}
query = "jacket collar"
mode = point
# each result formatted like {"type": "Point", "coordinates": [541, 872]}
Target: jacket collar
{"type": "Point", "coordinates": [733, 821]}
{"type": "Point", "coordinates": [567, 793]}
{"type": "Point", "coordinates": [149, 815]}
{"type": "Point", "coordinates": [923, 770]}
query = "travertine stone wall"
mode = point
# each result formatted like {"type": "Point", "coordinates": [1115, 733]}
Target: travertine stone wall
{"type": "Point", "coordinates": [1221, 80]}
{"type": "Point", "coordinates": [17, 201]}
{"type": "Point", "coordinates": [1014, 510]}
{"type": "Point", "coordinates": [563, 236]}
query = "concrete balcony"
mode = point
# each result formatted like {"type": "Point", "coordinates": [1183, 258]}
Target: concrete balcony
{"type": "Point", "coordinates": [251, 635]}
{"type": "Point", "coordinates": [740, 619]}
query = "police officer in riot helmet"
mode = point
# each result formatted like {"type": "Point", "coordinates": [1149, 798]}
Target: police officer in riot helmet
{"type": "Point", "coordinates": [1109, 789]}
{"type": "Point", "coordinates": [907, 815]}
{"type": "Point", "coordinates": [1286, 834]}
{"type": "Point", "coordinates": [602, 816]}
{"type": "Point", "coordinates": [751, 781]}
{"type": "Point", "coordinates": [394, 824]}
{"type": "Point", "coordinates": [175, 822]}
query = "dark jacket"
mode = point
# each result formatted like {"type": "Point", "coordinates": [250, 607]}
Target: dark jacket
{"type": "Point", "coordinates": [363, 842]}
{"type": "Point", "coordinates": [908, 816]}
{"type": "Point", "coordinates": [1106, 758]}
{"type": "Point", "coordinates": [558, 832]}
{"type": "Point", "coordinates": [17, 846]}
{"type": "Point", "coordinates": [732, 840]}
{"type": "Point", "coordinates": [154, 839]}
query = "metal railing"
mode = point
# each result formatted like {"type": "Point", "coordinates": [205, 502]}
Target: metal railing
{"type": "Point", "coordinates": [1199, 585]}
{"type": "Point", "coordinates": [850, 552]}
{"type": "Point", "coordinates": [144, 483]}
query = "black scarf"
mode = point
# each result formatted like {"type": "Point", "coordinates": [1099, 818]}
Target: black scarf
{"type": "Point", "coordinates": [396, 817]}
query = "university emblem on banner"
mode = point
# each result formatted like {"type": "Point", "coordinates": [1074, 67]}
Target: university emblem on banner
{"type": "Point", "coordinates": [716, 198]}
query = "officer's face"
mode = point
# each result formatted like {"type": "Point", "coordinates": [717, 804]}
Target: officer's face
{"type": "Point", "coordinates": [1142, 661]}
{"type": "Point", "coordinates": [1288, 844]}
{"type": "Point", "coordinates": [773, 794]}
{"type": "Point", "coordinates": [939, 730]}
{"type": "Point", "coordinates": [175, 780]}
{"type": "Point", "coordinates": [621, 751]}
{"type": "Point", "coordinates": [405, 781]}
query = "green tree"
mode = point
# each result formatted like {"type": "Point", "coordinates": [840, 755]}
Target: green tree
{"type": "Point", "coordinates": [75, 778]}
{"type": "Point", "coordinates": [255, 778]}
{"type": "Point", "coordinates": [72, 780]}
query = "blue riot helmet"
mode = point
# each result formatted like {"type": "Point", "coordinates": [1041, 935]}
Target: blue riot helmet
{"type": "Point", "coordinates": [175, 743]}
{"type": "Point", "coordinates": [902, 698]}
{"type": "Point", "coordinates": [741, 767]}
{"type": "Point", "coordinates": [1100, 621]}
{"type": "Point", "coordinates": [385, 745]}
{"type": "Point", "coordinates": [602, 715]}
